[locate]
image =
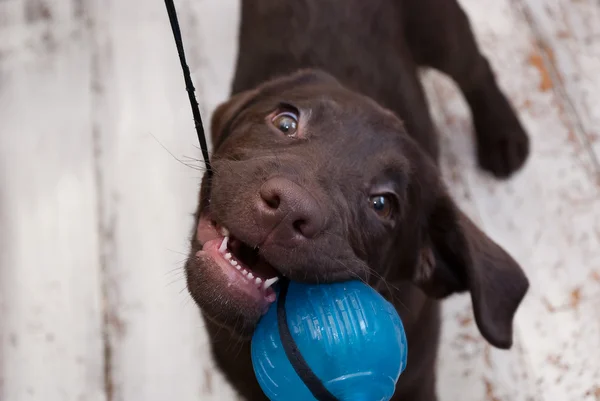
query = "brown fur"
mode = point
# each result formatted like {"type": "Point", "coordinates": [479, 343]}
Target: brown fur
{"type": "Point", "coordinates": [350, 69]}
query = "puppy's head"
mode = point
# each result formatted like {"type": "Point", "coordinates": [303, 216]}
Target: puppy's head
{"type": "Point", "coordinates": [319, 184]}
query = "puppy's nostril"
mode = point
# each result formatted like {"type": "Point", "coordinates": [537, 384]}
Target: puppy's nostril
{"type": "Point", "coordinates": [272, 201]}
{"type": "Point", "coordinates": [299, 225]}
{"type": "Point", "coordinates": [271, 196]}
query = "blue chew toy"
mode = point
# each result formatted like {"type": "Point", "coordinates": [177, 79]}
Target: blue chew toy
{"type": "Point", "coordinates": [342, 342]}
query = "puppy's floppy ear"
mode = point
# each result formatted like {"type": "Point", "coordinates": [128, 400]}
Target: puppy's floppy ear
{"type": "Point", "coordinates": [226, 112]}
{"type": "Point", "coordinates": [457, 256]}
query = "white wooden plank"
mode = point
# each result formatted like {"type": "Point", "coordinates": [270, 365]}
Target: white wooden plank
{"type": "Point", "coordinates": [158, 345]}
{"type": "Point", "coordinates": [50, 305]}
{"type": "Point", "coordinates": [569, 57]}
{"type": "Point", "coordinates": [548, 216]}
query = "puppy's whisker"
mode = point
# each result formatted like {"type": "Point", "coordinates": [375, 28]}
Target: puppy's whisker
{"type": "Point", "coordinates": [176, 277]}
{"type": "Point", "coordinates": [210, 154]}
{"type": "Point", "coordinates": [176, 269]}
{"type": "Point", "coordinates": [197, 168]}
{"type": "Point", "coordinates": [177, 252]}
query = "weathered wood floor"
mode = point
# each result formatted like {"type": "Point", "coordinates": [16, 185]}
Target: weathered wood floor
{"type": "Point", "coordinates": [95, 212]}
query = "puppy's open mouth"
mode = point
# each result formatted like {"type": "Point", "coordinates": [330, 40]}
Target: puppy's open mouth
{"type": "Point", "coordinates": [244, 269]}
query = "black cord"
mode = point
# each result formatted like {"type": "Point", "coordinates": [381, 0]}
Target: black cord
{"type": "Point", "coordinates": [189, 85]}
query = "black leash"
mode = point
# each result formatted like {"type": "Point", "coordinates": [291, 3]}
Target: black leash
{"type": "Point", "coordinates": [310, 379]}
{"type": "Point", "coordinates": [189, 85]}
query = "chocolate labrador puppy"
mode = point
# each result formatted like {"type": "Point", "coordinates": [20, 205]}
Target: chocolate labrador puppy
{"type": "Point", "coordinates": [325, 169]}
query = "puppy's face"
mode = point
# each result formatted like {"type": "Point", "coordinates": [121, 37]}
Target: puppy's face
{"type": "Point", "coordinates": [319, 184]}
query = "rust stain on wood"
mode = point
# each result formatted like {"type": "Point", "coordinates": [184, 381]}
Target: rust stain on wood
{"type": "Point", "coordinates": [548, 305]}
{"type": "Point", "coordinates": [536, 60]}
{"type": "Point", "coordinates": [468, 338]}
{"type": "Point", "coordinates": [595, 391]}
{"type": "Point", "coordinates": [556, 361]}
{"type": "Point", "coordinates": [465, 321]}
{"type": "Point", "coordinates": [575, 297]}
{"type": "Point", "coordinates": [489, 391]}
{"type": "Point", "coordinates": [487, 356]}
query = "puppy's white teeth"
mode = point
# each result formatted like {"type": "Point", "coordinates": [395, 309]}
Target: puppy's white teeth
{"type": "Point", "coordinates": [258, 281]}
{"type": "Point", "coordinates": [223, 246]}
{"type": "Point", "coordinates": [270, 282]}
{"type": "Point", "coordinates": [224, 232]}
{"type": "Point", "coordinates": [245, 272]}
{"type": "Point", "coordinates": [238, 267]}
{"type": "Point", "coordinates": [227, 256]}
{"type": "Point", "coordinates": [250, 275]}
{"type": "Point", "coordinates": [233, 262]}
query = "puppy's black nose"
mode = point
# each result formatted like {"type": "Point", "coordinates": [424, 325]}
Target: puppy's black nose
{"type": "Point", "coordinates": [288, 210]}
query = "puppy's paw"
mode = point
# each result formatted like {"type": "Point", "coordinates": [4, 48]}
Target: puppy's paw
{"type": "Point", "coordinates": [502, 143]}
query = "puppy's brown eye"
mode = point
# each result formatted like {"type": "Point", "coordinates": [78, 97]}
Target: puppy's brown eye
{"type": "Point", "coordinates": [382, 205]}
{"type": "Point", "coordinates": [286, 122]}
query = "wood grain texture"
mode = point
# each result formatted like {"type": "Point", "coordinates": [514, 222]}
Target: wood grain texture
{"type": "Point", "coordinates": [98, 181]}
{"type": "Point", "coordinates": [50, 304]}
{"type": "Point", "coordinates": [156, 344]}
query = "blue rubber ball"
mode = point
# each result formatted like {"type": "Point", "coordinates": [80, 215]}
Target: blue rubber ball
{"type": "Point", "coordinates": [349, 335]}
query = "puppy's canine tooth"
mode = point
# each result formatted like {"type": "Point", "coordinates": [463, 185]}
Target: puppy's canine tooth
{"type": "Point", "coordinates": [223, 246]}
{"type": "Point", "coordinates": [270, 282]}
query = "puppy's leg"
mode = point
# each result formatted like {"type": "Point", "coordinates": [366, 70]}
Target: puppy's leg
{"type": "Point", "coordinates": [440, 36]}
{"type": "Point", "coordinates": [405, 96]}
